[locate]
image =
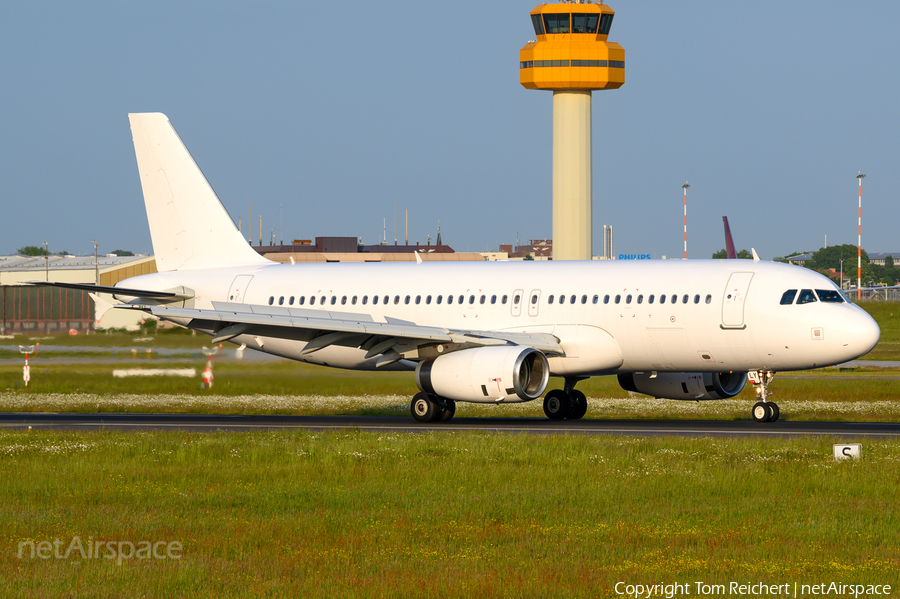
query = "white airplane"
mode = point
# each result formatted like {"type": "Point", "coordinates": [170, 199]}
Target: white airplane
{"type": "Point", "coordinates": [491, 332]}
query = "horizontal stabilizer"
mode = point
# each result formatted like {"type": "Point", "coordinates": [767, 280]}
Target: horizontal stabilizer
{"type": "Point", "coordinates": [115, 290]}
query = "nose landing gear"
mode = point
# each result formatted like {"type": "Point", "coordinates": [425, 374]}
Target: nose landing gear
{"type": "Point", "coordinates": [763, 410]}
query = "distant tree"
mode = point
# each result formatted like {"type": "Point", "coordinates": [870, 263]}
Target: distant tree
{"type": "Point", "coordinates": [121, 253]}
{"type": "Point", "coordinates": [889, 261]}
{"type": "Point", "coordinates": [528, 257]}
{"type": "Point", "coordinates": [32, 250]}
{"type": "Point", "coordinates": [64, 253]}
{"type": "Point", "coordinates": [831, 256]}
{"type": "Point", "coordinates": [888, 281]}
{"type": "Point", "coordinates": [723, 255]}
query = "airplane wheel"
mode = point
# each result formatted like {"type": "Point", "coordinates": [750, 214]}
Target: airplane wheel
{"type": "Point", "coordinates": [761, 412]}
{"type": "Point", "coordinates": [579, 405]}
{"type": "Point", "coordinates": [448, 410]}
{"type": "Point", "coordinates": [423, 407]}
{"type": "Point", "coordinates": [775, 411]}
{"type": "Point", "coordinates": [557, 404]}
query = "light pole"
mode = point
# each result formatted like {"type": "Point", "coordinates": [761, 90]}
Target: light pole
{"type": "Point", "coordinates": [47, 259]}
{"type": "Point", "coordinates": [859, 178]}
{"type": "Point", "coordinates": [96, 264]}
{"type": "Point", "coordinates": [685, 187]}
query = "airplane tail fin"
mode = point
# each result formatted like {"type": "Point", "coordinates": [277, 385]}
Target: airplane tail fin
{"type": "Point", "coordinates": [729, 243]}
{"type": "Point", "coordinates": [189, 226]}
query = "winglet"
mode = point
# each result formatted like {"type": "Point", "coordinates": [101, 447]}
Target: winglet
{"type": "Point", "coordinates": [102, 306]}
{"type": "Point", "coordinates": [755, 255]}
{"type": "Point", "coordinates": [418, 258]}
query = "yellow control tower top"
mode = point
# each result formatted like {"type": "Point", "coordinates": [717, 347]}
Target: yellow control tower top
{"type": "Point", "coordinates": [571, 51]}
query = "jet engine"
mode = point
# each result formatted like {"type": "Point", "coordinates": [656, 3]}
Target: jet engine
{"type": "Point", "coordinates": [685, 385]}
{"type": "Point", "coordinates": [508, 373]}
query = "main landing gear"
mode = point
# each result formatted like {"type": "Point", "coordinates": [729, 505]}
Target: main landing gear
{"type": "Point", "coordinates": [567, 402]}
{"type": "Point", "coordinates": [763, 410]}
{"type": "Point", "coordinates": [426, 407]}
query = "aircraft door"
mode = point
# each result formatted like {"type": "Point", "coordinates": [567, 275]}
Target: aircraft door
{"type": "Point", "coordinates": [733, 300]}
{"type": "Point", "coordinates": [517, 302]}
{"type": "Point", "coordinates": [239, 288]}
{"type": "Point", "coordinates": [534, 301]}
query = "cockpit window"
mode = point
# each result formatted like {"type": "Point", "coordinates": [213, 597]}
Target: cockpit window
{"type": "Point", "coordinates": [788, 297]}
{"type": "Point", "coordinates": [829, 295]}
{"type": "Point", "coordinates": [806, 296]}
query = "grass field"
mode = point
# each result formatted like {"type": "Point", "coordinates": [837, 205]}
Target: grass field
{"type": "Point", "coordinates": [441, 514]}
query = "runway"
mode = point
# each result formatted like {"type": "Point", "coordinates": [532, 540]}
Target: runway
{"type": "Point", "coordinates": [241, 423]}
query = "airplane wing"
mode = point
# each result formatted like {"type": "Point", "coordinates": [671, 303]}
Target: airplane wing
{"type": "Point", "coordinates": [392, 340]}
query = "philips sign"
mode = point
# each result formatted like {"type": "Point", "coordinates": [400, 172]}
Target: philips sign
{"type": "Point", "coordinates": [634, 257]}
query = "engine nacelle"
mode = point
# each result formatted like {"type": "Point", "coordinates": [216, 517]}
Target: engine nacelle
{"type": "Point", "coordinates": [508, 373]}
{"type": "Point", "coordinates": [685, 385]}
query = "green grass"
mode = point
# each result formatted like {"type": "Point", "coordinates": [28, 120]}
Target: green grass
{"type": "Point", "coordinates": [887, 315]}
{"type": "Point", "coordinates": [442, 514]}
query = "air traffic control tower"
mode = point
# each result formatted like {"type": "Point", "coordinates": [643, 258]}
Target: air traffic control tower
{"type": "Point", "coordinates": [572, 58]}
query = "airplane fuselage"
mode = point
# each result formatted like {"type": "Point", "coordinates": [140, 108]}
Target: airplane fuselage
{"type": "Point", "coordinates": [610, 317]}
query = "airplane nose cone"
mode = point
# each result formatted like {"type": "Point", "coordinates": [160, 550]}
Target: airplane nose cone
{"type": "Point", "coordinates": [859, 333]}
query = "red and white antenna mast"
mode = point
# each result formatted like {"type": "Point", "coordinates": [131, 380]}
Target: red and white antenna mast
{"type": "Point", "coordinates": [685, 187]}
{"type": "Point", "coordinates": [859, 178]}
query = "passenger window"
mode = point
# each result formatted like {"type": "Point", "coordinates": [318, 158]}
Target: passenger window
{"type": "Point", "coordinates": [449, 299]}
{"type": "Point", "coordinates": [322, 300]}
{"type": "Point", "coordinates": [481, 300]}
{"type": "Point", "coordinates": [493, 299]}
{"type": "Point", "coordinates": [312, 300]}
{"type": "Point", "coordinates": [662, 299]}
{"type": "Point", "coordinates": [583, 299]}
{"type": "Point", "coordinates": [405, 300]}
{"type": "Point", "coordinates": [788, 298]}
{"type": "Point", "coordinates": [562, 299]}
{"type": "Point", "coordinates": [353, 301]}
{"type": "Point", "coordinates": [534, 299]}
{"type": "Point", "coordinates": [428, 300]}
{"type": "Point", "coordinates": [606, 299]}
{"type": "Point", "coordinates": [596, 297]}
{"type": "Point", "coordinates": [674, 299]}
{"type": "Point", "coordinates": [471, 299]}
{"type": "Point", "coordinates": [640, 299]}
{"type": "Point", "coordinates": [459, 300]}
{"type": "Point", "coordinates": [549, 299]}
{"type": "Point", "coordinates": [651, 298]}
{"type": "Point", "coordinates": [271, 300]}
{"type": "Point", "coordinates": [397, 299]}
{"type": "Point", "coordinates": [365, 300]}
{"type": "Point", "coordinates": [618, 298]}
{"type": "Point", "coordinates": [517, 299]}
{"type": "Point", "coordinates": [281, 300]}
{"type": "Point", "coordinates": [302, 300]}
{"type": "Point", "coordinates": [291, 301]}
{"type": "Point", "coordinates": [503, 301]}
{"type": "Point", "coordinates": [385, 300]}
{"type": "Point", "coordinates": [684, 299]}
{"type": "Point", "coordinates": [333, 300]}
{"type": "Point", "coordinates": [440, 298]}
{"type": "Point", "coordinates": [697, 299]}
{"type": "Point", "coordinates": [374, 300]}
{"type": "Point", "coordinates": [709, 299]}
{"type": "Point", "coordinates": [829, 295]}
{"type": "Point", "coordinates": [572, 299]}
{"type": "Point", "coordinates": [806, 296]}
{"type": "Point", "coordinates": [344, 301]}
{"type": "Point", "coordinates": [628, 299]}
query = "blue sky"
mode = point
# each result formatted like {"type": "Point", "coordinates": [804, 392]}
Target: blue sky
{"type": "Point", "coordinates": [769, 110]}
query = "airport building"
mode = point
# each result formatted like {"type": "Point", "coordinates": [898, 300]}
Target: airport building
{"type": "Point", "coordinates": [32, 309]}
